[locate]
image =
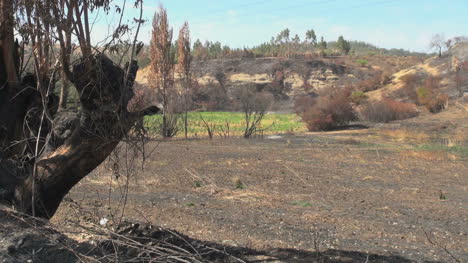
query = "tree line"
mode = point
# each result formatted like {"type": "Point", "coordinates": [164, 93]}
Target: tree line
{"type": "Point", "coordinates": [284, 44]}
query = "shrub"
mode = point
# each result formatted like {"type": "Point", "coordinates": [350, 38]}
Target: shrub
{"type": "Point", "coordinates": [387, 110]}
{"type": "Point", "coordinates": [358, 97]}
{"type": "Point", "coordinates": [170, 125]}
{"type": "Point", "coordinates": [254, 105]}
{"type": "Point", "coordinates": [303, 103]}
{"type": "Point", "coordinates": [408, 89]}
{"type": "Point", "coordinates": [329, 112]}
{"type": "Point", "coordinates": [212, 97]}
{"type": "Point", "coordinates": [371, 83]}
{"type": "Point", "coordinates": [434, 102]}
{"type": "Point", "coordinates": [437, 103]}
{"type": "Point", "coordinates": [423, 94]}
{"type": "Point", "coordinates": [362, 62]}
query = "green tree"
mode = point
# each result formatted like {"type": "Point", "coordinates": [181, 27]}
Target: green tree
{"type": "Point", "coordinates": [311, 37]}
{"type": "Point", "coordinates": [323, 44]}
{"type": "Point", "coordinates": [283, 36]}
{"type": "Point", "coordinates": [343, 45]}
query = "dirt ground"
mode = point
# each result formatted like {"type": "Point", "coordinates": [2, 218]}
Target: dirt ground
{"type": "Point", "coordinates": [364, 195]}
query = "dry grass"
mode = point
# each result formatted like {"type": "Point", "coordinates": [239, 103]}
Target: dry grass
{"type": "Point", "coordinates": [398, 78]}
{"type": "Point", "coordinates": [404, 135]}
{"type": "Point", "coordinates": [256, 78]}
{"type": "Point", "coordinates": [430, 155]}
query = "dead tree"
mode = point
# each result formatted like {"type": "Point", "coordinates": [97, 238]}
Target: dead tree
{"type": "Point", "coordinates": [184, 62]}
{"type": "Point", "coordinates": [43, 154]}
{"type": "Point", "coordinates": [437, 42]}
{"type": "Point", "coordinates": [162, 71]}
{"type": "Point", "coordinates": [254, 105]}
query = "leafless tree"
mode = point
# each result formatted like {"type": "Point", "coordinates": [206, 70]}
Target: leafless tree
{"type": "Point", "coordinates": [225, 130]}
{"type": "Point", "coordinates": [437, 42]}
{"type": "Point", "coordinates": [184, 62]}
{"type": "Point", "coordinates": [254, 105]}
{"type": "Point", "coordinates": [209, 127]}
{"type": "Point", "coordinates": [43, 154]}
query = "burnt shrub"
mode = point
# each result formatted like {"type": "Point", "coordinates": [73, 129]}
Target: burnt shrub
{"type": "Point", "coordinates": [410, 82]}
{"type": "Point", "coordinates": [303, 103]}
{"type": "Point", "coordinates": [429, 98]}
{"type": "Point", "coordinates": [212, 97]}
{"type": "Point", "coordinates": [371, 83]}
{"type": "Point", "coordinates": [387, 110]}
{"type": "Point", "coordinates": [359, 97]}
{"type": "Point", "coordinates": [329, 112]}
{"type": "Point", "coordinates": [254, 105]}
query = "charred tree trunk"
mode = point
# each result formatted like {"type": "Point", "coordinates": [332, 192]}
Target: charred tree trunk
{"type": "Point", "coordinates": [65, 86]}
{"type": "Point", "coordinates": [76, 145]}
{"type": "Point", "coordinates": [37, 169]}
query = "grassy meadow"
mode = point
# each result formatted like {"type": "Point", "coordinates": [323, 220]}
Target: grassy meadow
{"type": "Point", "coordinates": [272, 123]}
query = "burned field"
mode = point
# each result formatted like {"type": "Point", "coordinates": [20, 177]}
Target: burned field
{"type": "Point", "coordinates": [379, 194]}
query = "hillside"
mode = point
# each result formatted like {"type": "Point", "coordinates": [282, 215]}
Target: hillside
{"type": "Point", "coordinates": [319, 74]}
{"type": "Point", "coordinates": [443, 68]}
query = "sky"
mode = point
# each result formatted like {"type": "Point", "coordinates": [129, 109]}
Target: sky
{"type": "Point", "coordinates": [407, 24]}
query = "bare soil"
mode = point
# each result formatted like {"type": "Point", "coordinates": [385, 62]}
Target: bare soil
{"type": "Point", "coordinates": [365, 195]}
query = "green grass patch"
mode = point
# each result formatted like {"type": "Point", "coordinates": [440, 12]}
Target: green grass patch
{"type": "Point", "coordinates": [302, 203]}
{"type": "Point", "coordinates": [274, 122]}
{"type": "Point", "coordinates": [362, 62]}
{"type": "Point", "coordinates": [461, 150]}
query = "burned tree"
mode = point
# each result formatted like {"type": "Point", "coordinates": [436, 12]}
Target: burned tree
{"type": "Point", "coordinates": [43, 154]}
{"type": "Point", "coordinates": [184, 62]}
{"type": "Point", "coordinates": [254, 105]}
{"type": "Point", "coordinates": [162, 71]}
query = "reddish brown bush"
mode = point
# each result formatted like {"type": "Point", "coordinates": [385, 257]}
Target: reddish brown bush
{"type": "Point", "coordinates": [303, 103]}
{"type": "Point", "coordinates": [410, 83]}
{"type": "Point", "coordinates": [437, 103]}
{"type": "Point", "coordinates": [427, 95]}
{"type": "Point", "coordinates": [387, 110]}
{"type": "Point", "coordinates": [371, 83]}
{"type": "Point", "coordinates": [329, 112]}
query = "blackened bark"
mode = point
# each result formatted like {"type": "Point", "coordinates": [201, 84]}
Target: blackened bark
{"type": "Point", "coordinates": [37, 169]}
{"type": "Point", "coordinates": [80, 143]}
{"type": "Point", "coordinates": [76, 145]}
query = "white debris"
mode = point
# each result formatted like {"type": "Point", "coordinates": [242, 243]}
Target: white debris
{"type": "Point", "coordinates": [274, 137]}
{"type": "Point", "coordinates": [103, 221]}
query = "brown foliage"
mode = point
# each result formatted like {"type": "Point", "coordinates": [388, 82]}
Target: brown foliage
{"type": "Point", "coordinates": [184, 63]}
{"type": "Point", "coordinates": [329, 112]}
{"type": "Point", "coordinates": [387, 110]}
{"type": "Point", "coordinates": [303, 103]}
{"type": "Point", "coordinates": [429, 97]}
{"type": "Point", "coordinates": [184, 56]}
{"type": "Point", "coordinates": [374, 82]}
{"type": "Point", "coordinates": [254, 105]}
{"type": "Point", "coordinates": [162, 71]}
{"type": "Point", "coordinates": [410, 83]}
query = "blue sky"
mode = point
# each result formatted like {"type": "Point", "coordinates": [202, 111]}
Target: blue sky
{"type": "Point", "coordinates": [407, 24]}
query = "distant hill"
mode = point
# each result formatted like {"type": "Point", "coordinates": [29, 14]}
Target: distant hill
{"type": "Point", "coordinates": [297, 77]}
{"type": "Point", "coordinates": [363, 48]}
{"type": "Point", "coordinates": [444, 68]}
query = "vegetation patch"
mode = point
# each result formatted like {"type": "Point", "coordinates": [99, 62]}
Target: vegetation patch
{"type": "Point", "coordinates": [387, 110]}
{"type": "Point", "coordinates": [276, 123]}
{"type": "Point", "coordinates": [302, 203]}
{"type": "Point", "coordinates": [461, 150]}
{"type": "Point", "coordinates": [362, 62]}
